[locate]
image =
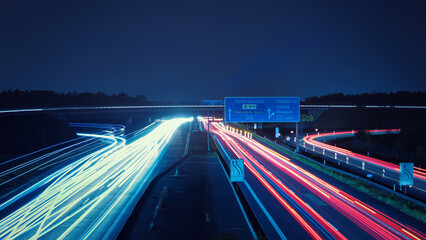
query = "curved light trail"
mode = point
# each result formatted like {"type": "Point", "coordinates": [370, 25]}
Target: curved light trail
{"type": "Point", "coordinates": [310, 140]}
{"type": "Point", "coordinates": [24, 170]}
{"type": "Point", "coordinates": [85, 193]}
{"type": "Point", "coordinates": [114, 129]}
{"type": "Point", "coordinates": [367, 218]}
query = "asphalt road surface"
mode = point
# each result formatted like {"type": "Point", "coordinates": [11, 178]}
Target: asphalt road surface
{"type": "Point", "coordinates": [293, 201]}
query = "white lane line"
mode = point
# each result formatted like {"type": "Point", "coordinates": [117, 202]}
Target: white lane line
{"type": "Point", "coordinates": [271, 220]}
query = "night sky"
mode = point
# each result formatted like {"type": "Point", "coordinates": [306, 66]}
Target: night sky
{"type": "Point", "coordinates": [193, 50]}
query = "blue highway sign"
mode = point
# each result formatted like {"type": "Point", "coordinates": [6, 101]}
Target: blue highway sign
{"type": "Point", "coordinates": [406, 173]}
{"type": "Point", "coordinates": [237, 170]}
{"type": "Point", "coordinates": [262, 109]}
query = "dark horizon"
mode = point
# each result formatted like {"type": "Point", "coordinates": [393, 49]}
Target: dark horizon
{"type": "Point", "coordinates": [187, 51]}
{"type": "Point", "coordinates": [18, 99]}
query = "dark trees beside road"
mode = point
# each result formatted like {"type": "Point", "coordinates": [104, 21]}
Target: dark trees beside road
{"type": "Point", "coordinates": [38, 99]}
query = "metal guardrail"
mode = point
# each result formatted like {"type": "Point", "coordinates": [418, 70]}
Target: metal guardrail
{"type": "Point", "coordinates": [351, 175]}
{"type": "Point", "coordinates": [192, 106]}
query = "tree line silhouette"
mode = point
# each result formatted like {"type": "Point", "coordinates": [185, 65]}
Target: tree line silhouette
{"type": "Point", "coordinates": [44, 98]}
{"type": "Point", "coordinates": [25, 133]}
{"type": "Point", "coordinates": [41, 98]}
{"type": "Point", "coordinates": [374, 98]}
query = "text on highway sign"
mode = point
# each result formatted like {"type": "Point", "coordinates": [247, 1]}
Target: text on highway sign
{"type": "Point", "coordinates": [262, 109]}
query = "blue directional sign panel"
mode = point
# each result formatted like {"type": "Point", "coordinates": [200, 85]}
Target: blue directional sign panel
{"type": "Point", "coordinates": [406, 173]}
{"type": "Point", "coordinates": [262, 109]}
{"type": "Point", "coordinates": [237, 170]}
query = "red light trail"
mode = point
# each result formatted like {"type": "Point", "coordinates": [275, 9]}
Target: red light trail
{"type": "Point", "coordinates": [310, 140]}
{"type": "Point", "coordinates": [371, 220]}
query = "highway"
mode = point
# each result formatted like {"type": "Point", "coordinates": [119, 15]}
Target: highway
{"type": "Point", "coordinates": [292, 200]}
{"type": "Point", "coordinates": [91, 197]}
{"type": "Point", "coordinates": [385, 172]}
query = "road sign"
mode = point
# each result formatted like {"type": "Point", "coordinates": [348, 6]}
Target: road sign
{"type": "Point", "coordinates": [406, 173]}
{"type": "Point", "coordinates": [262, 109]}
{"type": "Point", "coordinates": [211, 102]}
{"type": "Point", "coordinates": [237, 170]}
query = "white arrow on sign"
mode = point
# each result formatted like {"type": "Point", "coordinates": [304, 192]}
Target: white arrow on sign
{"type": "Point", "coordinates": [270, 114]}
{"type": "Point", "coordinates": [229, 112]}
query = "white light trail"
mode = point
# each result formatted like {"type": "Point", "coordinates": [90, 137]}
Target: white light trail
{"type": "Point", "coordinates": [91, 188]}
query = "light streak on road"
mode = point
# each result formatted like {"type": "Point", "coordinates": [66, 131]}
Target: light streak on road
{"type": "Point", "coordinates": [20, 166]}
{"type": "Point", "coordinates": [310, 140]}
{"type": "Point", "coordinates": [19, 175]}
{"type": "Point", "coordinates": [84, 194]}
{"type": "Point", "coordinates": [113, 129]}
{"type": "Point", "coordinates": [371, 220]}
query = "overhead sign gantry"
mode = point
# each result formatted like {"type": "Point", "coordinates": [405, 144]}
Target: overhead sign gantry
{"type": "Point", "coordinates": [262, 109]}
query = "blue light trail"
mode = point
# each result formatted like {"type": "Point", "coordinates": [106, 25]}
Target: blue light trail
{"type": "Point", "coordinates": [91, 191]}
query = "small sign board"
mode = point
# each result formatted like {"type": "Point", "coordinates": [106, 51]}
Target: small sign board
{"type": "Point", "coordinates": [262, 109]}
{"type": "Point", "coordinates": [277, 132]}
{"type": "Point", "coordinates": [406, 173]}
{"type": "Point", "coordinates": [211, 102]}
{"type": "Point", "coordinates": [237, 170]}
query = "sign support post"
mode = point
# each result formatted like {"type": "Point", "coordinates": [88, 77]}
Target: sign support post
{"type": "Point", "coordinates": [208, 131]}
{"type": "Point", "coordinates": [297, 136]}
